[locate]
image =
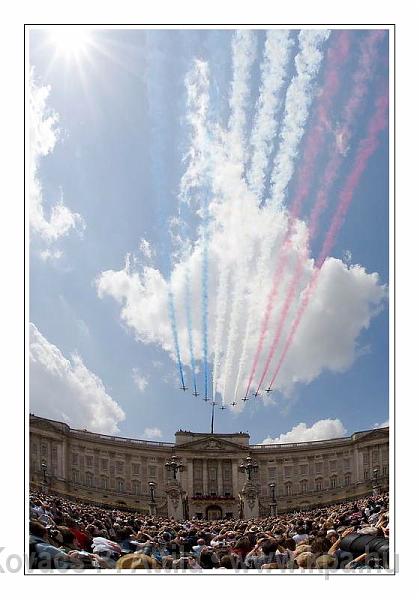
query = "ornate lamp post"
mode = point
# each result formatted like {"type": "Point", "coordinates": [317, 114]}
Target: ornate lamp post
{"type": "Point", "coordinates": [273, 505]}
{"type": "Point", "coordinates": [375, 487]}
{"type": "Point", "coordinates": [152, 486]}
{"type": "Point", "coordinates": [248, 466]}
{"type": "Point", "coordinates": [174, 465]}
{"type": "Point", "coordinates": [44, 471]}
{"type": "Point", "coordinates": [152, 503]}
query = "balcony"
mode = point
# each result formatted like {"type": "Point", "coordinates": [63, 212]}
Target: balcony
{"type": "Point", "coordinates": [213, 497]}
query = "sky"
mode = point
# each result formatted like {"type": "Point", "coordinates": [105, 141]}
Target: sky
{"type": "Point", "coordinates": [212, 193]}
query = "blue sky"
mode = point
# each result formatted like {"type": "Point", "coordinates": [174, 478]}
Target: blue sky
{"type": "Point", "coordinates": [122, 146]}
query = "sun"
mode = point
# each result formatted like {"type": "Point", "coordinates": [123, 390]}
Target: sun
{"type": "Point", "coordinates": [71, 42]}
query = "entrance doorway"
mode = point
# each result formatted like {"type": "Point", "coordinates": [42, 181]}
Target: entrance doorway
{"type": "Point", "coordinates": [213, 513]}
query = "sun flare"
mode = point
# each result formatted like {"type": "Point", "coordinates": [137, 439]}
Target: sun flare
{"type": "Point", "coordinates": [71, 42]}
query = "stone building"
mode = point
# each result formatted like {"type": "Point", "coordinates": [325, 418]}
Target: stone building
{"type": "Point", "coordinates": [212, 475]}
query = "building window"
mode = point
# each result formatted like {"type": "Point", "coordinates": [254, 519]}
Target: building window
{"type": "Point", "coordinates": [318, 485]}
{"type": "Point", "coordinates": [136, 487]}
{"type": "Point", "coordinates": [135, 468]}
{"type": "Point", "coordinates": [104, 482]}
{"type": "Point", "coordinates": [318, 468]}
{"type": "Point", "coordinates": [366, 474]}
{"type": "Point", "coordinates": [120, 485]}
{"type": "Point", "coordinates": [346, 463]}
{"type": "Point", "coordinates": [89, 461]}
{"type": "Point", "coordinates": [120, 466]}
{"type": "Point", "coordinates": [104, 464]}
{"type": "Point", "coordinates": [365, 458]}
{"type": "Point", "coordinates": [152, 471]}
{"type": "Point", "coordinates": [287, 471]}
{"type": "Point", "coordinates": [89, 479]}
{"type": "Point", "coordinates": [303, 487]}
{"type": "Point", "coordinates": [333, 482]}
{"type": "Point", "coordinates": [333, 466]}
{"type": "Point", "coordinates": [288, 488]}
{"type": "Point", "coordinates": [303, 469]}
{"type": "Point", "coordinates": [375, 456]}
{"type": "Point", "coordinates": [271, 473]}
{"type": "Point", "coordinates": [74, 459]}
{"type": "Point", "coordinates": [75, 476]}
{"type": "Point", "coordinates": [347, 479]}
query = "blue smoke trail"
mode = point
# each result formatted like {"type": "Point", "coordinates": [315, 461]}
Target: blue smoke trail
{"type": "Point", "coordinates": [205, 296]}
{"type": "Point", "coordinates": [189, 326]}
{"type": "Point", "coordinates": [171, 306]}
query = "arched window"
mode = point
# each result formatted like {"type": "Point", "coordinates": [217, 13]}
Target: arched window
{"type": "Point", "coordinates": [318, 485]}
{"type": "Point", "coordinates": [89, 479]}
{"type": "Point", "coordinates": [333, 482]}
{"type": "Point", "coordinates": [347, 479]}
{"type": "Point", "coordinates": [288, 489]}
{"type": "Point", "coordinates": [304, 486]}
{"type": "Point", "coordinates": [136, 488]}
{"type": "Point", "coordinates": [104, 482]}
{"type": "Point", "coordinates": [120, 485]}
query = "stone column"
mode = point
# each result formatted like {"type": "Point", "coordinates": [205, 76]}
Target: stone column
{"type": "Point", "coordinates": [219, 478]}
{"type": "Point", "coordinates": [205, 478]}
{"type": "Point", "coordinates": [235, 486]}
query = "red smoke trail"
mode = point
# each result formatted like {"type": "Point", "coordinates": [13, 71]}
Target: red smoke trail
{"type": "Point", "coordinates": [336, 56]}
{"type": "Point", "coordinates": [360, 83]}
{"type": "Point", "coordinates": [365, 150]}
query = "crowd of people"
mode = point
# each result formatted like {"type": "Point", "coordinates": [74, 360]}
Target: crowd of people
{"type": "Point", "coordinates": [66, 534]}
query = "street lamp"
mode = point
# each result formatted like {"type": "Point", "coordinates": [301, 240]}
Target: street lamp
{"type": "Point", "coordinates": [273, 504]}
{"type": "Point", "coordinates": [248, 466]}
{"type": "Point", "coordinates": [174, 465]}
{"type": "Point", "coordinates": [375, 481]}
{"type": "Point", "coordinates": [44, 471]}
{"type": "Point", "coordinates": [152, 486]}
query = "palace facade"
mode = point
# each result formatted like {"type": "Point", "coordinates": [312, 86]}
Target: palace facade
{"type": "Point", "coordinates": [205, 475]}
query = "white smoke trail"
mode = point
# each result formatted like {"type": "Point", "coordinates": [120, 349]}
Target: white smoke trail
{"type": "Point", "coordinates": [298, 100]}
{"type": "Point", "coordinates": [244, 53]}
{"type": "Point", "coordinates": [197, 85]}
{"type": "Point", "coordinates": [277, 49]}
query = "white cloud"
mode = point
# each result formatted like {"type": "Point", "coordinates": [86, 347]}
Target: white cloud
{"type": "Point", "coordinates": [66, 390]}
{"type": "Point", "coordinates": [50, 255]}
{"type": "Point", "coordinates": [244, 241]}
{"type": "Point", "coordinates": [151, 433]}
{"type": "Point", "coordinates": [140, 381]}
{"type": "Point", "coordinates": [43, 134]}
{"type": "Point", "coordinates": [321, 430]}
{"type": "Point", "coordinates": [380, 425]}
{"type": "Point", "coordinates": [146, 249]}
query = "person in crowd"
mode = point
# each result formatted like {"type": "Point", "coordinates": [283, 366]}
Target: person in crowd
{"type": "Point", "coordinates": [68, 534]}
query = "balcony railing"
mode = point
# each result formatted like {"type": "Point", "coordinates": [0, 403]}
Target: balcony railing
{"type": "Point", "coordinates": [114, 438]}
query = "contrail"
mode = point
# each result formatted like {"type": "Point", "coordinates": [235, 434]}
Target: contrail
{"type": "Point", "coordinates": [277, 49]}
{"type": "Point", "coordinates": [336, 56]}
{"type": "Point", "coordinates": [189, 326]}
{"type": "Point", "coordinates": [298, 100]}
{"type": "Point", "coordinates": [244, 53]}
{"type": "Point", "coordinates": [221, 315]}
{"type": "Point", "coordinates": [195, 178]}
{"type": "Point", "coordinates": [365, 150]}
{"type": "Point", "coordinates": [360, 81]}
{"type": "Point", "coordinates": [172, 318]}
{"type": "Point", "coordinates": [244, 48]}
{"type": "Point", "coordinates": [204, 292]}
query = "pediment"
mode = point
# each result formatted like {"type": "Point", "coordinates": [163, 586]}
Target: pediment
{"type": "Point", "coordinates": [212, 443]}
{"type": "Point", "coordinates": [375, 434]}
